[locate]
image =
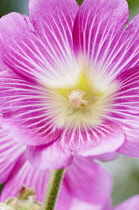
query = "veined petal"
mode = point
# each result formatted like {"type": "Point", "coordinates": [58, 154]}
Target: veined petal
{"type": "Point", "coordinates": [124, 109]}
{"type": "Point", "coordinates": [126, 99]}
{"type": "Point", "coordinates": [131, 204]}
{"type": "Point", "coordinates": [29, 177]}
{"type": "Point", "coordinates": [107, 48]}
{"type": "Point", "coordinates": [42, 51]}
{"type": "Point", "coordinates": [87, 181]}
{"type": "Point", "coordinates": [49, 157]}
{"type": "Point", "coordinates": [10, 153]}
{"type": "Point", "coordinates": [97, 140]}
{"type": "Point", "coordinates": [25, 110]}
{"type": "Point", "coordinates": [97, 30]}
{"type": "Point", "coordinates": [108, 138]}
{"type": "Point", "coordinates": [53, 25]}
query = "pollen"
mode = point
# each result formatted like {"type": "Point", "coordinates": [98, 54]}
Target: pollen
{"type": "Point", "coordinates": [78, 99]}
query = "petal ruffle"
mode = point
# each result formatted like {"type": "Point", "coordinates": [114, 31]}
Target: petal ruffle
{"type": "Point", "coordinates": [131, 204]}
{"type": "Point", "coordinates": [58, 155]}
{"type": "Point", "coordinates": [50, 157]}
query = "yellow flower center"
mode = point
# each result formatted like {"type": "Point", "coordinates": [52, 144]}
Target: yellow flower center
{"type": "Point", "coordinates": [81, 104]}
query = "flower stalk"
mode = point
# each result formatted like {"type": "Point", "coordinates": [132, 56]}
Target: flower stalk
{"type": "Point", "coordinates": [54, 184]}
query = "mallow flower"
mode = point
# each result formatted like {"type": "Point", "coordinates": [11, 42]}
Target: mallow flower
{"type": "Point", "coordinates": [85, 181]}
{"type": "Point", "coordinates": [73, 84]}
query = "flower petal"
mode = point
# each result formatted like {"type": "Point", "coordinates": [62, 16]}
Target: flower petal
{"type": "Point", "coordinates": [131, 204]}
{"type": "Point", "coordinates": [64, 199]}
{"type": "Point", "coordinates": [125, 105]}
{"type": "Point", "coordinates": [41, 52]}
{"type": "Point", "coordinates": [53, 25]}
{"type": "Point", "coordinates": [25, 110]}
{"type": "Point", "coordinates": [82, 181]}
{"type": "Point", "coordinates": [130, 146]}
{"type": "Point", "coordinates": [49, 157]}
{"type": "Point", "coordinates": [107, 156]}
{"type": "Point", "coordinates": [107, 48]}
{"type": "Point", "coordinates": [10, 153]}
{"type": "Point", "coordinates": [97, 30]}
{"type": "Point", "coordinates": [29, 177]}
{"type": "Point", "coordinates": [88, 181]}
{"type": "Point", "coordinates": [80, 205]}
{"type": "Point", "coordinates": [124, 109]}
{"type": "Point", "coordinates": [106, 141]}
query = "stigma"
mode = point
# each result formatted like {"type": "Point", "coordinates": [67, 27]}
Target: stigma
{"type": "Point", "coordinates": [78, 99]}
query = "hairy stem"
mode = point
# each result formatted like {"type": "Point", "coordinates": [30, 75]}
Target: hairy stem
{"type": "Point", "coordinates": [54, 184]}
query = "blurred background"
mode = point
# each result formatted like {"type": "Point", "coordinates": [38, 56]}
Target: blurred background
{"type": "Point", "coordinates": [125, 170]}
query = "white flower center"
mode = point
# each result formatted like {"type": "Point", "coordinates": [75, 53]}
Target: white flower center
{"type": "Point", "coordinates": [77, 99]}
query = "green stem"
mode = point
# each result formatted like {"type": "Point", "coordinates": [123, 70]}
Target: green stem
{"type": "Point", "coordinates": [53, 189]}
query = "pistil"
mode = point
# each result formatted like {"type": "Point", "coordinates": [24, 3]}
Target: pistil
{"type": "Point", "coordinates": [77, 99]}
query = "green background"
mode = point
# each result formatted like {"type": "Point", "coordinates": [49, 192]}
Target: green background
{"type": "Point", "coordinates": [125, 170]}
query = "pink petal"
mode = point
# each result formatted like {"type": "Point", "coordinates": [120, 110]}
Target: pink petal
{"type": "Point", "coordinates": [42, 51]}
{"type": "Point", "coordinates": [24, 110]}
{"type": "Point", "coordinates": [83, 180]}
{"type": "Point", "coordinates": [108, 141]}
{"type": "Point", "coordinates": [29, 177]}
{"type": "Point", "coordinates": [54, 26]}
{"type": "Point", "coordinates": [80, 205]}
{"type": "Point", "coordinates": [107, 156]}
{"type": "Point", "coordinates": [64, 199]}
{"type": "Point", "coordinates": [88, 181]}
{"type": "Point", "coordinates": [11, 37]}
{"type": "Point", "coordinates": [97, 38]}
{"type": "Point", "coordinates": [83, 183]}
{"type": "Point", "coordinates": [125, 110]}
{"type": "Point", "coordinates": [130, 148]}
{"type": "Point", "coordinates": [58, 154]}
{"type": "Point", "coordinates": [130, 204]}
{"type": "Point", "coordinates": [10, 153]}
{"type": "Point", "coordinates": [126, 99]}
{"type": "Point", "coordinates": [49, 157]}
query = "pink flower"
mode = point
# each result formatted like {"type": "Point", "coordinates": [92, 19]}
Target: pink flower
{"type": "Point", "coordinates": [84, 180]}
{"type": "Point", "coordinates": [73, 87]}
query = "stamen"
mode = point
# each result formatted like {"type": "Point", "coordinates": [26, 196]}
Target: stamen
{"type": "Point", "coordinates": [77, 99]}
